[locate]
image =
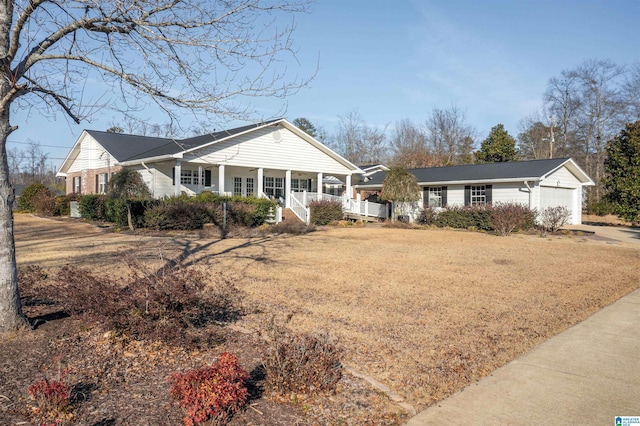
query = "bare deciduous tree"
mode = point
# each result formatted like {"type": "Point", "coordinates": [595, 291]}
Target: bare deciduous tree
{"type": "Point", "coordinates": [173, 55]}
{"type": "Point", "coordinates": [534, 138]}
{"type": "Point", "coordinates": [449, 135]}
{"type": "Point", "coordinates": [409, 146]}
{"type": "Point", "coordinates": [358, 142]}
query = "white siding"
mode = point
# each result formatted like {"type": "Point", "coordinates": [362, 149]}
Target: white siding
{"type": "Point", "coordinates": [510, 193]}
{"type": "Point", "coordinates": [501, 193]}
{"type": "Point", "coordinates": [455, 195]}
{"type": "Point", "coordinates": [260, 149]}
{"type": "Point", "coordinates": [561, 178]}
{"type": "Point", "coordinates": [91, 156]}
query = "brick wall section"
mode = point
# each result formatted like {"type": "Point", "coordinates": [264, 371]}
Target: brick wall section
{"type": "Point", "coordinates": [88, 179]}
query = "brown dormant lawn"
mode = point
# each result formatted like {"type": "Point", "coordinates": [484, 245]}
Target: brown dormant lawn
{"type": "Point", "coordinates": [425, 311]}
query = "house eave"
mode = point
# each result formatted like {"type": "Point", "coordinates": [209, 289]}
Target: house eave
{"type": "Point", "coordinates": [461, 182]}
{"type": "Point", "coordinates": [157, 159]}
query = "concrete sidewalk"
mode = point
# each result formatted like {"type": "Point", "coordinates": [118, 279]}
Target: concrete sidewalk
{"type": "Point", "coordinates": [587, 375]}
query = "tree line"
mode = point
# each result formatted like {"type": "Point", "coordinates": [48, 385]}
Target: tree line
{"type": "Point", "coordinates": [581, 110]}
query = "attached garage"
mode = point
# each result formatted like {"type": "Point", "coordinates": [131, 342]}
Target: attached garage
{"type": "Point", "coordinates": [554, 197]}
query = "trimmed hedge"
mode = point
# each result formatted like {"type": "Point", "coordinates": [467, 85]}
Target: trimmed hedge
{"type": "Point", "coordinates": [478, 217]}
{"type": "Point", "coordinates": [501, 217]}
{"type": "Point", "coordinates": [178, 213]}
{"type": "Point", "coordinates": [324, 212]}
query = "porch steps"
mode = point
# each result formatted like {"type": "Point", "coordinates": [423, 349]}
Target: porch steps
{"type": "Point", "coordinates": [288, 214]}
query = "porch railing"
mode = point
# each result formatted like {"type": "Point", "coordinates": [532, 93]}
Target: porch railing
{"type": "Point", "coordinates": [368, 209]}
{"type": "Point", "coordinates": [302, 211]}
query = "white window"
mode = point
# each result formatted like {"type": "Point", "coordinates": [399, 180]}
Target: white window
{"type": "Point", "coordinates": [189, 177]}
{"type": "Point", "coordinates": [274, 186]}
{"type": "Point", "coordinates": [237, 186]}
{"type": "Point", "coordinates": [103, 180]}
{"type": "Point", "coordinates": [435, 197]}
{"type": "Point", "coordinates": [77, 186]}
{"type": "Point", "coordinates": [478, 195]}
{"type": "Point", "coordinates": [300, 185]}
{"type": "Point", "coordinates": [250, 187]}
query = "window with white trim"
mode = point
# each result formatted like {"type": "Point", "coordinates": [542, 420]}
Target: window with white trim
{"type": "Point", "coordinates": [189, 177]}
{"type": "Point", "coordinates": [237, 186]}
{"type": "Point", "coordinates": [103, 180]}
{"type": "Point", "coordinates": [435, 197]}
{"type": "Point", "coordinates": [77, 187]}
{"type": "Point", "coordinates": [478, 195]}
{"type": "Point", "coordinates": [250, 187]}
{"type": "Point", "coordinates": [300, 185]}
{"type": "Point", "coordinates": [274, 186]}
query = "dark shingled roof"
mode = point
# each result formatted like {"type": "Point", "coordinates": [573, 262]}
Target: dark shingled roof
{"type": "Point", "coordinates": [478, 172]}
{"type": "Point", "coordinates": [132, 147]}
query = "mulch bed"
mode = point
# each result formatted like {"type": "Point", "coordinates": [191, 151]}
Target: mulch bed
{"type": "Point", "coordinates": [120, 382]}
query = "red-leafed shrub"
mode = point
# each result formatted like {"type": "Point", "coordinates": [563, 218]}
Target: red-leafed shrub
{"type": "Point", "coordinates": [215, 392]}
{"type": "Point", "coordinates": [52, 397]}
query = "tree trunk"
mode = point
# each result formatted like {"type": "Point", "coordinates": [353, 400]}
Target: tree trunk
{"type": "Point", "coordinates": [129, 219]}
{"type": "Point", "coordinates": [11, 317]}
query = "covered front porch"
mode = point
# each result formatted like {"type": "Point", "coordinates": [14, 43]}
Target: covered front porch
{"type": "Point", "coordinates": [293, 189]}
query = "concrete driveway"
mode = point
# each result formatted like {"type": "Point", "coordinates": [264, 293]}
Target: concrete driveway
{"type": "Point", "coordinates": [621, 234]}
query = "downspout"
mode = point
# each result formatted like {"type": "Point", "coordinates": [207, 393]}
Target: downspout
{"type": "Point", "coordinates": [153, 179]}
{"type": "Point", "coordinates": [526, 183]}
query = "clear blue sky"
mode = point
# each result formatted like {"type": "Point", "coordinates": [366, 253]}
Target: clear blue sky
{"type": "Point", "coordinates": [400, 59]}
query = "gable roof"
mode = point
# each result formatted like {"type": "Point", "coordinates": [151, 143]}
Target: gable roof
{"type": "Point", "coordinates": [508, 171]}
{"type": "Point", "coordinates": [131, 149]}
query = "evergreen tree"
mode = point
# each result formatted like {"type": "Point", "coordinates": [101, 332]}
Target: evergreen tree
{"type": "Point", "coordinates": [498, 147]}
{"type": "Point", "coordinates": [622, 169]}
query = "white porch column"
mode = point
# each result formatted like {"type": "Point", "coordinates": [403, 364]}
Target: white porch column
{"type": "Point", "coordinates": [176, 177]}
{"type": "Point", "coordinates": [348, 187]}
{"type": "Point", "coordinates": [259, 186]}
{"type": "Point", "coordinates": [200, 178]}
{"type": "Point", "coordinates": [319, 186]}
{"type": "Point", "coordinates": [287, 189]}
{"type": "Point", "coordinates": [221, 179]}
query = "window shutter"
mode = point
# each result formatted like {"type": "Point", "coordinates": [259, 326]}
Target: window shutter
{"type": "Point", "coordinates": [207, 178]}
{"type": "Point", "coordinates": [489, 193]}
{"type": "Point", "coordinates": [79, 184]}
{"type": "Point", "coordinates": [444, 196]}
{"type": "Point", "coordinates": [173, 176]}
{"type": "Point", "coordinates": [467, 195]}
{"type": "Point", "coordinates": [425, 196]}
{"type": "Point", "coordinates": [97, 179]}
{"type": "Point", "coordinates": [309, 185]}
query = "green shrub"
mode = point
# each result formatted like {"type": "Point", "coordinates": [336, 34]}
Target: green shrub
{"type": "Point", "coordinates": [27, 195]}
{"type": "Point", "coordinates": [176, 215]}
{"type": "Point", "coordinates": [93, 207]}
{"type": "Point", "coordinates": [301, 363]}
{"type": "Point", "coordinates": [213, 393]}
{"type": "Point", "coordinates": [44, 203]}
{"type": "Point", "coordinates": [324, 212]}
{"type": "Point", "coordinates": [63, 203]}
{"type": "Point", "coordinates": [241, 211]}
{"type": "Point", "coordinates": [601, 208]}
{"type": "Point", "coordinates": [478, 217]}
{"type": "Point", "coordinates": [116, 211]}
{"type": "Point", "coordinates": [243, 214]}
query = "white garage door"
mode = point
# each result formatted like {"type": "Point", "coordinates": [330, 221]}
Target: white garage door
{"type": "Point", "coordinates": [553, 197]}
